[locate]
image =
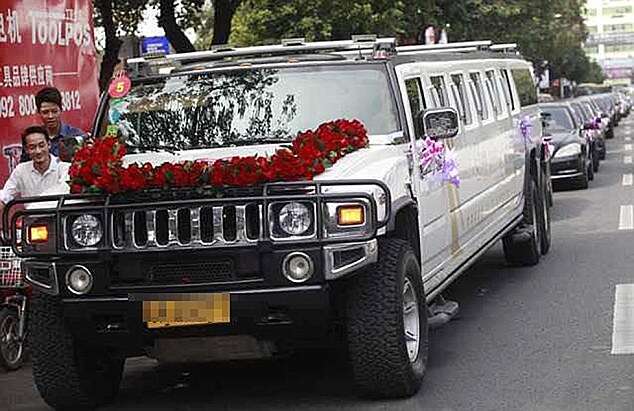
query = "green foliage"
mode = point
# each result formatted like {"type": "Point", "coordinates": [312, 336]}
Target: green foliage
{"type": "Point", "coordinates": [551, 30]}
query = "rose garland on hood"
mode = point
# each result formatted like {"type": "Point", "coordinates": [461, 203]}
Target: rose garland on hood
{"type": "Point", "coordinates": [98, 167]}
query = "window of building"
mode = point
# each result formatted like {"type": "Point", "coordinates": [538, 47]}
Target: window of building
{"type": "Point", "coordinates": [619, 48]}
{"type": "Point", "coordinates": [592, 29]}
{"type": "Point", "coordinates": [416, 101]}
{"type": "Point", "coordinates": [526, 91]}
{"type": "Point", "coordinates": [591, 49]}
{"type": "Point", "coordinates": [617, 28]}
{"type": "Point", "coordinates": [617, 11]}
{"type": "Point", "coordinates": [460, 95]}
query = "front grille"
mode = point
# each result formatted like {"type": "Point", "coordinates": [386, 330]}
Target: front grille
{"type": "Point", "coordinates": [222, 226]}
{"type": "Point", "coordinates": [207, 272]}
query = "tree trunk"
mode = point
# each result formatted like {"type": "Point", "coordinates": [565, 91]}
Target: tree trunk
{"type": "Point", "coordinates": [173, 32]}
{"type": "Point", "coordinates": [113, 44]}
{"type": "Point", "coordinates": [223, 14]}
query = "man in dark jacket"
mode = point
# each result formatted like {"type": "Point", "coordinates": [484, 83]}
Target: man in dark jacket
{"type": "Point", "coordinates": [49, 105]}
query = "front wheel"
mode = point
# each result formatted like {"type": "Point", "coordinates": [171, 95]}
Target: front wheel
{"type": "Point", "coordinates": [387, 324]}
{"type": "Point", "coordinates": [68, 373]}
{"type": "Point", "coordinates": [11, 343]}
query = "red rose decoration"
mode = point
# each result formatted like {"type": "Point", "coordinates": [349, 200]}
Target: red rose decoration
{"type": "Point", "coordinates": [98, 167]}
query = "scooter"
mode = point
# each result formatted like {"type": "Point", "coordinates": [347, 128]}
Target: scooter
{"type": "Point", "coordinates": [14, 296]}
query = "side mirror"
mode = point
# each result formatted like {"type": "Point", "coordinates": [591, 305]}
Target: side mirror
{"type": "Point", "coordinates": [439, 123]}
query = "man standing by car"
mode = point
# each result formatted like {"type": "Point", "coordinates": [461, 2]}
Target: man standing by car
{"type": "Point", "coordinates": [31, 178]}
{"type": "Point", "coordinates": [49, 105]}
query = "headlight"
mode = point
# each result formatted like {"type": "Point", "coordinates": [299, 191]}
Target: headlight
{"type": "Point", "coordinates": [86, 230]}
{"type": "Point", "coordinates": [569, 150]}
{"type": "Point", "coordinates": [295, 218]}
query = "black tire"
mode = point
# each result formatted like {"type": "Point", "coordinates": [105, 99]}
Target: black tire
{"type": "Point", "coordinates": [602, 154]}
{"type": "Point", "coordinates": [545, 234]}
{"type": "Point", "coordinates": [591, 169]}
{"type": "Point", "coordinates": [595, 160]}
{"type": "Point", "coordinates": [522, 245]}
{"type": "Point", "coordinates": [378, 351]}
{"type": "Point", "coordinates": [12, 351]}
{"type": "Point", "coordinates": [68, 374]}
{"type": "Point", "coordinates": [581, 182]}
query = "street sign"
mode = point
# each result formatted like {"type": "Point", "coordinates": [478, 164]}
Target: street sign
{"type": "Point", "coordinates": [157, 44]}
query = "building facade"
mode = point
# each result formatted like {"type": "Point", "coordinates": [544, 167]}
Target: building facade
{"type": "Point", "coordinates": [610, 42]}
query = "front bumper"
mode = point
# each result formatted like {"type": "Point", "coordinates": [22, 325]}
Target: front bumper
{"type": "Point", "coordinates": [566, 167]}
{"type": "Point", "coordinates": [289, 313]}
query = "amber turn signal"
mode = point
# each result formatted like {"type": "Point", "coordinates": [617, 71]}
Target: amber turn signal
{"type": "Point", "coordinates": [350, 215]}
{"type": "Point", "coordinates": [38, 234]}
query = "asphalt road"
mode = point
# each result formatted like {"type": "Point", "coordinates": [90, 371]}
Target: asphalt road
{"type": "Point", "coordinates": [537, 338]}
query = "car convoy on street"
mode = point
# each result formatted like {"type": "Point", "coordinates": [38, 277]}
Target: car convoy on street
{"type": "Point", "coordinates": [358, 256]}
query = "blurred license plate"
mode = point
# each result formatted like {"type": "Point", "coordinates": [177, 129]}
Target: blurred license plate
{"type": "Point", "coordinates": [198, 310]}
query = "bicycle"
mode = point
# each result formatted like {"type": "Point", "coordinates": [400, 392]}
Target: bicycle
{"type": "Point", "coordinates": [13, 311]}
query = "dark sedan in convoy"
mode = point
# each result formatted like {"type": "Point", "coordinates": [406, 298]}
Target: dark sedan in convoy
{"type": "Point", "coordinates": [572, 155]}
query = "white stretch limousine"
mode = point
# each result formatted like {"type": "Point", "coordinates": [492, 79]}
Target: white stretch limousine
{"type": "Point", "coordinates": [361, 253]}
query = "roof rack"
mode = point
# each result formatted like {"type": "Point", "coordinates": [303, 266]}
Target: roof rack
{"type": "Point", "coordinates": [504, 47]}
{"type": "Point", "coordinates": [467, 45]}
{"type": "Point", "coordinates": [361, 45]}
{"type": "Point", "coordinates": [288, 46]}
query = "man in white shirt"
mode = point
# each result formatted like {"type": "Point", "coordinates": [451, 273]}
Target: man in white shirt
{"type": "Point", "coordinates": [43, 171]}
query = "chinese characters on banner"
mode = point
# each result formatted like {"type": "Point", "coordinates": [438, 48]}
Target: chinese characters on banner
{"type": "Point", "coordinates": [44, 43]}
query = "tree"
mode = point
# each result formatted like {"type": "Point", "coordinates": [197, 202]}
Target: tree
{"type": "Point", "coordinates": [117, 18]}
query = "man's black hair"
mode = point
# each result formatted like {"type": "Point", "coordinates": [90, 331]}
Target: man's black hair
{"type": "Point", "coordinates": [48, 95]}
{"type": "Point", "coordinates": [32, 130]}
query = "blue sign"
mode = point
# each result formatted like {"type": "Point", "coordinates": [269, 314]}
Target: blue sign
{"type": "Point", "coordinates": [158, 44]}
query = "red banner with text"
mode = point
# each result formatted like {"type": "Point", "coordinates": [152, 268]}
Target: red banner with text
{"type": "Point", "coordinates": [44, 43]}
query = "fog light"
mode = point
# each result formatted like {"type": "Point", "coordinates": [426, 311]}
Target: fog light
{"type": "Point", "coordinates": [297, 267]}
{"type": "Point", "coordinates": [78, 280]}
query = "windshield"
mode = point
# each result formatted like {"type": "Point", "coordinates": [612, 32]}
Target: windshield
{"type": "Point", "coordinates": [556, 119]}
{"type": "Point", "coordinates": [245, 107]}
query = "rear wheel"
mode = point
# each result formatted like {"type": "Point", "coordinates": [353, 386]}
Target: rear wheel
{"type": "Point", "coordinates": [544, 220]}
{"type": "Point", "coordinates": [387, 324]}
{"type": "Point", "coordinates": [523, 246]}
{"type": "Point", "coordinates": [68, 374]}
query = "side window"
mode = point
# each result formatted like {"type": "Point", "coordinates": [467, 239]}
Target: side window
{"type": "Point", "coordinates": [460, 95]}
{"type": "Point", "coordinates": [478, 92]}
{"type": "Point", "coordinates": [492, 86]}
{"type": "Point", "coordinates": [439, 90]}
{"type": "Point", "coordinates": [508, 89]}
{"type": "Point", "coordinates": [416, 101]}
{"type": "Point", "coordinates": [526, 90]}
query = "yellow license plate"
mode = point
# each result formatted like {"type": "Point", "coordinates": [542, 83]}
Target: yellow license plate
{"type": "Point", "coordinates": [199, 310]}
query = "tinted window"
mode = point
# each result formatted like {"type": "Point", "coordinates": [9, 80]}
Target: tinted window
{"type": "Point", "coordinates": [438, 84]}
{"type": "Point", "coordinates": [508, 90]}
{"type": "Point", "coordinates": [479, 95]}
{"type": "Point", "coordinates": [463, 101]}
{"type": "Point", "coordinates": [497, 101]}
{"type": "Point", "coordinates": [416, 101]}
{"type": "Point", "coordinates": [557, 119]}
{"type": "Point", "coordinates": [525, 86]}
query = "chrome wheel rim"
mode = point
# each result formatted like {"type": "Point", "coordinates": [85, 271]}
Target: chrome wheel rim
{"type": "Point", "coordinates": [411, 320]}
{"type": "Point", "coordinates": [10, 344]}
